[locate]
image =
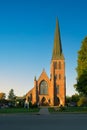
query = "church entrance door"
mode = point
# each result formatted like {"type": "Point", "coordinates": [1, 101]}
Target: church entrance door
{"type": "Point", "coordinates": [43, 101]}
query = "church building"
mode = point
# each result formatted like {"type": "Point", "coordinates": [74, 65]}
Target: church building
{"type": "Point", "coordinates": [51, 91]}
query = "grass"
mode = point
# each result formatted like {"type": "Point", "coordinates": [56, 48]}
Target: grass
{"type": "Point", "coordinates": [68, 109]}
{"type": "Point", "coordinates": [18, 110]}
{"type": "Point", "coordinates": [51, 110]}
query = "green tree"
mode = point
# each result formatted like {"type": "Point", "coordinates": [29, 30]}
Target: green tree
{"type": "Point", "coordinates": [2, 96]}
{"type": "Point", "coordinates": [11, 95]}
{"type": "Point", "coordinates": [75, 98]}
{"type": "Point", "coordinates": [82, 58]}
{"type": "Point", "coordinates": [81, 85]}
{"type": "Point", "coordinates": [82, 101]}
{"type": "Point", "coordinates": [68, 99]}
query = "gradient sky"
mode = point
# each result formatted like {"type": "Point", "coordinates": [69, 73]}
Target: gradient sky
{"type": "Point", "coordinates": [26, 40]}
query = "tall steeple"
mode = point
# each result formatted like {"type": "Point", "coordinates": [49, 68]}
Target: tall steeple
{"type": "Point", "coordinates": [57, 49]}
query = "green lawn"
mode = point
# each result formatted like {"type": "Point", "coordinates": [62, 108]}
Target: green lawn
{"type": "Point", "coordinates": [18, 110]}
{"type": "Point", "coordinates": [68, 109]}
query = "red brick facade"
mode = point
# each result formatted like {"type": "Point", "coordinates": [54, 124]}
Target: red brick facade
{"type": "Point", "coordinates": [51, 91]}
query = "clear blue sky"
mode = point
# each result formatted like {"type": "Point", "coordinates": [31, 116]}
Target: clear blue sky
{"type": "Point", "coordinates": [27, 35]}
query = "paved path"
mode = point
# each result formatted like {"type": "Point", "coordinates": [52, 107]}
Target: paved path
{"type": "Point", "coordinates": [44, 111]}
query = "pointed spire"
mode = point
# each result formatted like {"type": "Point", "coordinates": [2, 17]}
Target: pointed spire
{"type": "Point", "coordinates": [57, 50]}
{"type": "Point", "coordinates": [43, 69]}
{"type": "Point", "coordinates": [35, 78]}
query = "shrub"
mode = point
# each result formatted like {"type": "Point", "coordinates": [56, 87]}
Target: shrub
{"type": "Point", "coordinates": [30, 104]}
{"type": "Point", "coordinates": [33, 105]}
{"type": "Point", "coordinates": [82, 101]}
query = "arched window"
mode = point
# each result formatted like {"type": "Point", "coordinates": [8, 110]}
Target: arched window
{"type": "Point", "coordinates": [59, 76]}
{"type": "Point", "coordinates": [57, 89]}
{"type": "Point", "coordinates": [55, 65]}
{"type": "Point", "coordinates": [43, 87]}
{"type": "Point", "coordinates": [59, 65]}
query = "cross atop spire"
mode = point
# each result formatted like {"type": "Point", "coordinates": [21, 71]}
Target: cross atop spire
{"type": "Point", "coordinates": [57, 49]}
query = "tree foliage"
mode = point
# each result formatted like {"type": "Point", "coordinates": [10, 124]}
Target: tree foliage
{"type": "Point", "coordinates": [82, 101]}
{"type": "Point", "coordinates": [74, 98]}
{"type": "Point", "coordinates": [81, 85]}
{"type": "Point", "coordinates": [11, 95]}
{"type": "Point", "coordinates": [82, 58]}
{"type": "Point", "coordinates": [2, 96]}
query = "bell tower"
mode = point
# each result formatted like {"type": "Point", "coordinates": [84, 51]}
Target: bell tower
{"type": "Point", "coordinates": [57, 71]}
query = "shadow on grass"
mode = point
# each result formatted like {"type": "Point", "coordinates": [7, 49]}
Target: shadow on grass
{"type": "Point", "coordinates": [68, 109]}
{"type": "Point", "coordinates": [18, 110]}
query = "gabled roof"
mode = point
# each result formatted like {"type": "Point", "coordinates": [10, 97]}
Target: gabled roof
{"type": "Point", "coordinates": [43, 76]}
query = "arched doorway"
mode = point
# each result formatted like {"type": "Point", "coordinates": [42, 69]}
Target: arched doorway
{"type": "Point", "coordinates": [44, 101]}
{"type": "Point", "coordinates": [57, 101]}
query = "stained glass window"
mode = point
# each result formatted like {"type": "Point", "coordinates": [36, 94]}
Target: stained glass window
{"type": "Point", "coordinates": [43, 87]}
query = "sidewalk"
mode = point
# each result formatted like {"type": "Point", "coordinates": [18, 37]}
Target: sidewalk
{"type": "Point", "coordinates": [44, 111]}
